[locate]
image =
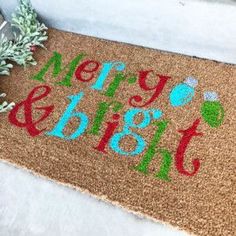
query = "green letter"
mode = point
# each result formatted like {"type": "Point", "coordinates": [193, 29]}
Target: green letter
{"type": "Point", "coordinates": [103, 108]}
{"type": "Point", "coordinates": [56, 61]}
{"type": "Point", "coordinates": [166, 156]}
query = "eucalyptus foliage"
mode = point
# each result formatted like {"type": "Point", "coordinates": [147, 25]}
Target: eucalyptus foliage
{"type": "Point", "coordinates": [28, 33]}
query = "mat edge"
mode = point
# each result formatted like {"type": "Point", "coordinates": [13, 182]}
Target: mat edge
{"type": "Point", "coordinates": [144, 47]}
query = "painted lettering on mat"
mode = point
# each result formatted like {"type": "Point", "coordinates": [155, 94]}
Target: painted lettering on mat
{"type": "Point", "coordinates": [212, 112]}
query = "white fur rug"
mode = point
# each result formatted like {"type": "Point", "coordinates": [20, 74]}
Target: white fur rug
{"type": "Point", "coordinates": [33, 206]}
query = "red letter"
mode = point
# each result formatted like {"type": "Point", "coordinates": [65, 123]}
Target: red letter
{"type": "Point", "coordinates": [111, 126]}
{"type": "Point", "coordinates": [143, 85]}
{"type": "Point", "coordinates": [179, 156]}
{"type": "Point", "coordinates": [29, 123]}
{"type": "Point", "coordinates": [86, 67]}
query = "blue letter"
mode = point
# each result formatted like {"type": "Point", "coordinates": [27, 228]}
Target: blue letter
{"type": "Point", "coordinates": [68, 114]}
{"type": "Point", "coordinates": [129, 119]}
{"type": "Point", "coordinates": [106, 68]}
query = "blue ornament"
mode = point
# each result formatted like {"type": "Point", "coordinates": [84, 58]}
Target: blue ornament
{"type": "Point", "coordinates": [183, 93]}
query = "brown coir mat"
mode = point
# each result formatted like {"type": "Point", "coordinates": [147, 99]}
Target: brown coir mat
{"type": "Point", "coordinates": [150, 131]}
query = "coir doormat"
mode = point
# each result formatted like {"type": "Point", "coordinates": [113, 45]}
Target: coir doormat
{"type": "Point", "coordinates": [150, 131]}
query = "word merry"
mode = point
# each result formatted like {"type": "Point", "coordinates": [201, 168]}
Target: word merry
{"type": "Point", "coordinates": [85, 73]}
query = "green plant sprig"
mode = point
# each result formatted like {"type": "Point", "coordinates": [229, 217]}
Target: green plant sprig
{"type": "Point", "coordinates": [29, 32]}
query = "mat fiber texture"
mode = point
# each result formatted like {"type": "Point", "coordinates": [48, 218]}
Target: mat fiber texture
{"type": "Point", "coordinates": [150, 131]}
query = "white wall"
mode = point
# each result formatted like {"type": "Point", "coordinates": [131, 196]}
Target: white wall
{"type": "Point", "coordinates": [193, 27]}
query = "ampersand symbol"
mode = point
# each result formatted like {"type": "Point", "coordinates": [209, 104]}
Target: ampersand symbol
{"type": "Point", "coordinates": [29, 123]}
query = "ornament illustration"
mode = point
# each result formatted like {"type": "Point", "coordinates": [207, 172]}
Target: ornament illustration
{"type": "Point", "coordinates": [183, 93]}
{"type": "Point", "coordinates": [212, 110]}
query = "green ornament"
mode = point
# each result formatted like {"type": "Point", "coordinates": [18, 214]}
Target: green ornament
{"type": "Point", "coordinates": [212, 110]}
